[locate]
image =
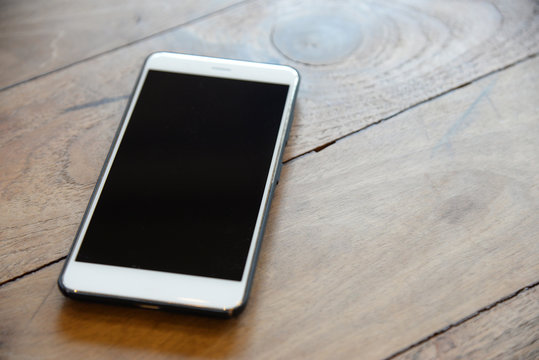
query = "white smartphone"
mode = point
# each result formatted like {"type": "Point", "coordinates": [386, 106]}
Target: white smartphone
{"type": "Point", "coordinates": [177, 215]}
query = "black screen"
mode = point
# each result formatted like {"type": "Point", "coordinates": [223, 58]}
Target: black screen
{"type": "Point", "coordinates": [185, 188]}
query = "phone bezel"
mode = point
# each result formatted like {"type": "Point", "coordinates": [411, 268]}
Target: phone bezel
{"type": "Point", "coordinates": [80, 279]}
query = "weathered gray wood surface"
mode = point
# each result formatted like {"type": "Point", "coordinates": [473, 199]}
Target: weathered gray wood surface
{"type": "Point", "coordinates": [374, 243]}
{"type": "Point", "coordinates": [37, 37]}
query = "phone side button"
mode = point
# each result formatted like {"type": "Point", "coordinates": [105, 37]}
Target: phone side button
{"type": "Point", "coordinates": [278, 176]}
{"type": "Point", "coordinates": [150, 307]}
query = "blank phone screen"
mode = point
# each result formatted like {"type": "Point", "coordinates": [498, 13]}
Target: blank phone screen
{"type": "Point", "coordinates": [185, 188]}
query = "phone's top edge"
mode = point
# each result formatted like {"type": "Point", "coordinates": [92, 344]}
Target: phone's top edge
{"type": "Point", "coordinates": [213, 59]}
{"type": "Point", "coordinates": [156, 56]}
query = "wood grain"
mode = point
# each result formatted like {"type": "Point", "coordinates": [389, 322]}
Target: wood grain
{"type": "Point", "coordinates": [56, 130]}
{"type": "Point", "coordinates": [508, 331]}
{"type": "Point", "coordinates": [373, 244]}
{"type": "Point", "coordinates": [40, 36]}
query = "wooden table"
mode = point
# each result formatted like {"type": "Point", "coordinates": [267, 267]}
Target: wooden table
{"type": "Point", "coordinates": [406, 221]}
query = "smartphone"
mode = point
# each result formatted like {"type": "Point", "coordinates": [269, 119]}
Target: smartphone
{"type": "Point", "coordinates": [178, 213]}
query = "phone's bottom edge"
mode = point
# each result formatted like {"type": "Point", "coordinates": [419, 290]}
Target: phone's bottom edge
{"type": "Point", "coordinates": [151, 305]}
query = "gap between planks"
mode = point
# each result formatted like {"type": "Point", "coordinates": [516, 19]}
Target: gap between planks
{"type": "Point", "coordinates": [186, 23]}
{"type": "Point", "coordinates": [434, 97]}
{"type": "Point", "coordinates": [30, 272]}
{"type": "Point", "coordinates": [463, 320]}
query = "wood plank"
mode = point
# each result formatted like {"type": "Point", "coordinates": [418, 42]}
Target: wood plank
{"type": "Point", "coordinates": [374, 243]}
{"type": "Point", "coordinates": [508, 331]}
{"type": "Point", "coordinates": [37, 37]}
{"type": "Point", "coordinates": [56, 130]}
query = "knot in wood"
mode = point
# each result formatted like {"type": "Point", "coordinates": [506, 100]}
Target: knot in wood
{"type": "Point", "coordinates": [317, 38]}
